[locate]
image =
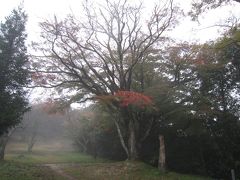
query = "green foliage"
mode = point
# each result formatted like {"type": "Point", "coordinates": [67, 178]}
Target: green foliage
{"type": "Point", "coordinates": [197, 97]}
{"type": "Point", "coordinates": [13, 72]}
{"type": "Point", "coordinates": [93, 131]}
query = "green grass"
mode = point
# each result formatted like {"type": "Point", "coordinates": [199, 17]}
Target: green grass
{"type": "Point", "coordinates": [81, 166]}
{"type": "Point", "coordinates": [20, 165]}
{"type": "Point", "coordinates": [19, 171]}
{"type": "Point", "coordinates": [46, 153]}
{"type": "Point", "coordinates": [89, 171]}
{"type": "Point", "coordinates": [48, 157]}
{"type": "Point", "coordinates": [124, 171]}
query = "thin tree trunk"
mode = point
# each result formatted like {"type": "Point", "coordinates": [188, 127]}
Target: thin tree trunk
{"type": "Point", "coordinates": [132, 145]}
{"type": "Point", "coordinates": [31, 142]}
{"type": "Point", "coordinates": [30, 146]}
{"type": "Point", "coordinates": [162, 155]}
{"type": "Point", "coordinates": [82, 145]}
{"type": "Point", "coordinates": [121, 138]}
{"type": "Point", "coordinates": [129, 144]}
{"type": "Point", "coordinates": [3, 142]}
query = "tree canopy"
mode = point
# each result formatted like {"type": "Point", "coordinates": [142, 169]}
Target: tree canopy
{"type": "Point", "coordinates": [13, 72]}
{"type": "Point", "coordinates": [199, 7]}
{"type": "Point", "coordinates": [145, 85]}
{"type": "Point", "coordinates": [98, 55]}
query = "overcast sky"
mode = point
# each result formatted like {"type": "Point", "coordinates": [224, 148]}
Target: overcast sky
{"type": "Point", "coordinates": [38, 10]}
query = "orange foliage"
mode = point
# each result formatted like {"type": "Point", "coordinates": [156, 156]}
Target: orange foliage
{"type": "Point", "coordinates": [126, 98]}
{"type": "Point", "coordinates": [134, 98]}
{"type": "Point", "coordinates": [200, 62]}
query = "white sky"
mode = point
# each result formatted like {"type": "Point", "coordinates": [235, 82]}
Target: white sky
{"type": "Point", "coordinates": [38, 10]}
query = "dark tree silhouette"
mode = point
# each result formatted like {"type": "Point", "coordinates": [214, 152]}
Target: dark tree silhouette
{"type": "Point", "coordinates": [13, 74]}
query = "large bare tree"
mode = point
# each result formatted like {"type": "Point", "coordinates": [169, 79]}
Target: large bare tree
{"type": "Point", "coordinates": [96, 55]}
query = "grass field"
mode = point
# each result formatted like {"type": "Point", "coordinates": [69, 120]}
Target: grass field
{"type": "Point", "coordinates": [88, 171]}
{"type": "Point", "coordinates": [49, 157]}
{"type": "Point", "coordinates": [21, 171]}
{"type": "Point", "coordinates": [123, 171]}
{"type": "Point", "coordinates": [45, 164]}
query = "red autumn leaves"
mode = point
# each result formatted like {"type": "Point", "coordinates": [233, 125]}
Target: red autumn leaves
{"type": "Point", "coordinates": [126, 98]}
{"type": "Point", "coordinates": [133, 98]}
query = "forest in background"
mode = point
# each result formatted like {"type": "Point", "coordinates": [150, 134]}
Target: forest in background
{"type": "Point", "coordinates": [171, 104]}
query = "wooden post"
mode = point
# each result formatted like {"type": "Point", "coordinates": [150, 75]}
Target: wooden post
{"type": "Point", "coordinates": [233, 174]}
{"type": "Point", "coordinates": [162, 155]}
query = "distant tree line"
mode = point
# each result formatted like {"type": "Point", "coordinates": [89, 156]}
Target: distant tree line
{"type": "Point", "coordinates": [147, 89]}
{"type": "Point", "coordinates": [195, 89]}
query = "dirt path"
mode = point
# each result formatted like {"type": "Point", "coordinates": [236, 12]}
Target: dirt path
{"type": "Point", "coordinates": [58, 169]}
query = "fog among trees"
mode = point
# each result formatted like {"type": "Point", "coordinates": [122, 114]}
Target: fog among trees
{"type": "Point", "coordinates": [41, 128]}
{"type": "Point", "coordinates": [148, 97]}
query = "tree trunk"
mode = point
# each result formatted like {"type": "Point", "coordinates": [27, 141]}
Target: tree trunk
{"type": "Point", "coordinates": [128, 143]}
{"type": "Point", "coordinates": [30, 146]}
{"type": "Point", "coordinates": [3, 143]}
{"type": "Point", "coordinates": [31, 142]}
{"type": "Point", "coordinates": [121, 137]}
{"type": "Point", "coordinates": [162, 155]}
{"type": "Point", "coordinates": [132, 144]}
{"type": "Point", "coordinates": [82, 145]}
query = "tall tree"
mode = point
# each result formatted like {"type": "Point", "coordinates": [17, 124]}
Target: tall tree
{"type": "Point", "coordinates": [221, 91]}
{"type": "Point", "coordinates": [199, 7]}
{"type": "Point", "coordinates": [98, 54]}
{"type": "Point", "coordinates": [13, 73]}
